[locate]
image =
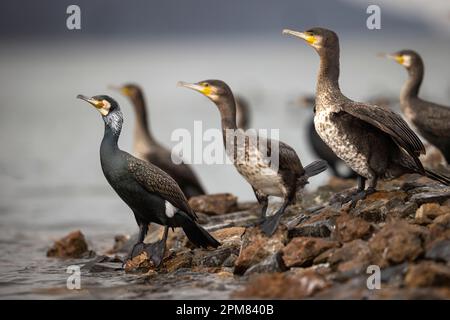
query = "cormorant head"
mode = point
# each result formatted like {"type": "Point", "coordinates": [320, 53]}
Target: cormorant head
{"type": "Point", "coordinates": [130, 90]}
{"type": "Point", "coordinates": [407, 58]}
{"type": "Point", "coordinates": [320, 39]}
{"type": "Point", "coordinates": [108, 108]}
{"type": "Point", "coordinates": [216, 90]}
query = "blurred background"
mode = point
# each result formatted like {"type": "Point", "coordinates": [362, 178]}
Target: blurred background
{"type": "Point", "coordinates": [50, 176]}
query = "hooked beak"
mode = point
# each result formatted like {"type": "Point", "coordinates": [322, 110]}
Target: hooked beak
{"type": "Point", "coordinates": [99, 105]}
{"type": "Point", "coordinates": [302, 35]}
{"type": "Point", "coordinates": [195, 86]}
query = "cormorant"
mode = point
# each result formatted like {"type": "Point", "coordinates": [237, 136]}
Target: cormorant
{"type": "Point", "coordinates": [321, 149]}
{"type": "Point", "coordinates": [375, 142]}
{"type": "Point", "coordinates": [251, 153]}
{"type": "Point", "coordinates": [431, 120]}
{"type": "Point", "coordinates": [145, 146]}
{"type": "Point", "coordinates": [151, 193]}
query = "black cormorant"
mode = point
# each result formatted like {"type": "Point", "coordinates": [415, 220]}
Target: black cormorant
{"type": "Point", "coordinates": [145, 146]}
{"type": "Point", "coordinates": [251, 154]}
{"type": "Point", "coordinates": [151, 194]}
{"type": "Point", "coordinates": [375, 142]}
{"type": "Point", "coordinates": [431, 120]}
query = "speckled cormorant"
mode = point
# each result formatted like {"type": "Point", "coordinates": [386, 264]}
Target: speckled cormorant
{"type": "Point", "coordinates": [251, 159]}
{"type": "Point", "coordinates": [375, 142]}
{"type": "Point", "coordinates": [242, 112]}
{"type": "Point", "coordinates": [151, 194]}
{"type": "Point", "coordinates": [145, 146]}
{"type": "Point", "coordinates": [321, 149]}
{"type": "Point", "coordinates": [431, 120]}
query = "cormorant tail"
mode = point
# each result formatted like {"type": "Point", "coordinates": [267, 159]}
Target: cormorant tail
{"type": "Point", "coordinates": [199, 236]}
{"type": "Point", "coordinates": [438, 177]}
{"type": "Point", "coordinates": [316, 167]}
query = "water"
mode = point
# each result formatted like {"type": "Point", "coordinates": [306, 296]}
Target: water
{"type": "Point", "coordinates": [50, 176]}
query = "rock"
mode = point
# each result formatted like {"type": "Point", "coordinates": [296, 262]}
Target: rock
{"type": "Point", "coordinates": [274, 263]}
{"type": "Point", "coordinates": [120, 242]}
{"type": "Point", "coordinates": [139, 264]}
{"type": "Point", "coordinates": [229, 236]}
{"type": "Point", "coordinates": [213, 258]}
{"type": "Point", "coordinates": [103, 264]}
{"type": "Point", "coordinates": [300, 252]}
{"type": "Point", "coordinates": [438, 196]}
{"type": "Point", "coordinates": [73, 245]}
{"type": "Point", "coordinates": [353, 257]}
{"type": "Point", "coordinates": [214, 204]}
{"type": "Point", "coordinates": [178, 261]}
{"type": "Point", "coordinates": [402, 211]}
{"type": "Point", "coordinates": [439, 250]}
{"type": "Point", "coordinates": [397, 242]}
{"type": "Point", "coordinates": [429, 211]}
{"type": "Point", "coordinates": [349, 228]}
{"type": "Point", "coordinates": [230, 261]}
{"type": "Point", "coordinates": [428, 273]}
{"type": "Point", "coordinates": [375, 207]}
{"type": "Point", "coordinates": [321, 229]}
{"type": "Point", "coordinates": [440, 228]}
{"type": "Point", "coordinates": [256, 247]}
{"type": "Point", "coordinates": [282, 286]}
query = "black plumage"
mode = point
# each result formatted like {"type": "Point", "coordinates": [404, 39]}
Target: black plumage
{"type": "Point", "coordinates": [152, 195]}
{"type": "Point", "coordinates": [146, 147]}
{"type": "Point", "coordinates": [250, 154]}
{"type": "Point", "coordinates": [375, 142]}
{"type": "Point", "coordinates": [431, 120]}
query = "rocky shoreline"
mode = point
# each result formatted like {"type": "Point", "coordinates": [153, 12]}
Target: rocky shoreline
{"type": "Point", "coordinates": [319, 252]}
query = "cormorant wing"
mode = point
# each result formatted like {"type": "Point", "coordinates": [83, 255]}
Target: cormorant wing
{"type": "Point", "coordinates": [287, 157]}
{"type": "Point", "coordinates": [155, 180]}
{"type": "Point", "coordinates": [390, 123]}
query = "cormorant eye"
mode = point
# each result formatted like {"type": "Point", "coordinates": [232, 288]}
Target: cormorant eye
{"type": "Point", "coordinates": [205, 84]}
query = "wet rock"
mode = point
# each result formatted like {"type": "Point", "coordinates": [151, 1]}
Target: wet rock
{"type": "Point", "coordinates": [73, 245]}
{"type": "Point", "coordinates": [139, 264]}
{"type": "Point", "coordinates": [274, 263]}
{"type": "Point", "coordinates": [397, 242]}
{"type": "Point", "coordinates": [321, 229]}
{"type": "Point", "coordinates": [301, 251]}
{"type": "Point", "coordinates": [213, 258]}
{"type": "Point", "coordinates": [103, 264]}
{"type": "Point", "coordinates": [256, 247]}
{"type": "Point", "coordinates": [282, 286]}
{"type": "Point", "coordinates": [376, 207]}
{"type": "Point", "coordinates": [439, 250]}
{"type": "Point", "coordinates": [177, 261]}
{"type": "Point", "coordinates": [214, 204]}
{"type": "Point", "coordinates": [429, 211]}
{"type": "Point", "coordinates": [428, 273]}
{"type": "Point", "coordinates": [352, 257]}
{"type": "Point", "coordinates": [349, 228]}
{"type": "Point", "coordinates": [438, 196]}
{"type": "Point", "coordinates": [394, 275]}
{"type": "Point", "coordinates": [120, 242]}
{"type": "Point", "coordinates": [402, 211]}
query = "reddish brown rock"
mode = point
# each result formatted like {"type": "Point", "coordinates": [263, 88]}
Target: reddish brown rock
{"type": "Point", "coordinates": [214, 204]}
{"type": "Point", "coordinates": [73, 245]}
{"type": "Point", "coordinates": [301, 251]}
{"type": "Point", "coordinates": [177, 261]}
{"type": "Point", "coordinates": [397, 242]}
{"type": "Point", "coordinates": [256, 247]}
{"type": "Point", "coordinates": [349, 228]}
{"type": "Point", "coordinates": [376, 207]}
{"type": "Point", "coordinates": [283, 286]}
{"type": "Point", "coordinates": [352, 256]}
{"type": "Point", "coordinates": [429, 211]}
{"type": "Point", "coordinates": [440, 228]}
{"type": "Point", "coordinates": [428, 274]}
{"type": "Point", "coordinates": [140, 263]}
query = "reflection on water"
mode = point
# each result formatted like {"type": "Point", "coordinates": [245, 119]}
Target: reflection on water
{"type": "Point", "coordinates": [50, 177]}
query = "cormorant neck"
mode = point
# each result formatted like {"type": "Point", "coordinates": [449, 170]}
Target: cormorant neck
{"type": "Point", "coordinates": [142, 134]}
{"type": "Point", "coordinates": [227, 108]}
{"type": "Point", "coordinates": [327, 89]}
{"type": "Point", "coordinates": [412, 85]}
{"type": "Point", "coordinates": [113, 127]}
